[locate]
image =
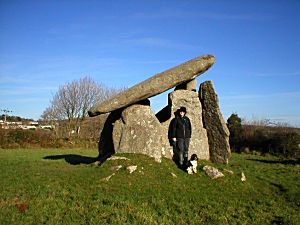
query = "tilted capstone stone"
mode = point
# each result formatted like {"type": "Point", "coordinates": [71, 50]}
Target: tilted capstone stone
{"type": "Point", "coordinates": [155, 85]}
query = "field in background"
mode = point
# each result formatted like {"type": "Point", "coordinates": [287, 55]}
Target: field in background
{"type": "Point", "coordinates": [51, 186]}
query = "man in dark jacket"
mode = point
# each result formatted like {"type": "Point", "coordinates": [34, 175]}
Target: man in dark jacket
{"type": "Point", "coordinates": [181, 131]}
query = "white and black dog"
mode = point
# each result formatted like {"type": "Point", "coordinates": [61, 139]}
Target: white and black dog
{"type": "Point", "coordinates": [191, 166]}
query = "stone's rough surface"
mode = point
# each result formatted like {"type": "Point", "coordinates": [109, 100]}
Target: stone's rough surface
{"type": "Point", "coordinates": [116, 168]}
{"type": "Point", "coordinates": [138, 131]}
{"type": "Point", "coordinates": [243, 178]}
{"type": "Point", "coordinates": [217, 131]}
{"type": "Point", "coordinates": [131, 169]}
{"type": "Point", "coordinates": [118, 158]}
{"type": "Point", "coordinates": [190, 100]}
{"type": "Point", "coordinates": [212, 172]}
{"type": "Point", "coordinates": [156, 84]}
{"type": "Point", "coordinates": [229, 171]}
{"type": "Point", "coordinates": [191, 85]}
{"type": "Point", "coordinates": [108, 178]}
{"type": "Point", "coordinates": [173, 175]}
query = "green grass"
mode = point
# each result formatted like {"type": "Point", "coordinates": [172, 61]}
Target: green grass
{"type": "Point", "coordinates": [35, 190]}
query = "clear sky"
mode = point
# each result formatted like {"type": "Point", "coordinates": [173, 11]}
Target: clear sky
{"type": "Point", "coordinates": [45, 44]}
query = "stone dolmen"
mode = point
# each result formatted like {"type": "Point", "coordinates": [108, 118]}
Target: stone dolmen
{"type": "Point", "coordinates": [132, 126]}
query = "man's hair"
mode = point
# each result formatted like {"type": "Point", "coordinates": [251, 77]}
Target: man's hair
{"type": "Point", "coordinates": [182, 109]}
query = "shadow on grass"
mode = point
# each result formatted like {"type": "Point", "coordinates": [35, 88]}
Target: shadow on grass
{"type": "Point", "coordinates": [278, 220]}
{"type": "Point", "coordinates": [105, 148]}
{"type": "Point", "coordinates": [73, 159]}
{"type": "Point", "coordinates": [79, 159]}
{"type": "Point", "coordinates": [280, 187]}
{"type": "Point", "coordinates": [284, 162]}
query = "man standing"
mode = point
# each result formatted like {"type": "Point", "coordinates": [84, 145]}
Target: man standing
{"type": "Point", "coordinates": [181, 130]}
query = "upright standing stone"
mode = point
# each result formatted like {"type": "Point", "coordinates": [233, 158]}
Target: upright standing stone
{"type": "Point", "coordinates": [106, 146]}
{"type": "Point", "coordinates": [189, 85]}
{"type": "Point", "coordinates": [190, 100]}
{"type": "Point", "coordinates": [138, 131]}
{"type": "Point", "coordinates": [217, 131]}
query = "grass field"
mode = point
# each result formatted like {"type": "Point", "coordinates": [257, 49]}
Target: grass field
{"type": "Point", "coordinates": [53, 187]}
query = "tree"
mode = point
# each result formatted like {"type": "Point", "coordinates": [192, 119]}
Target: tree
{"type": "Point", "coordinates": [234, 124]}
{"type": "Point", "coordinates": [73, 100]}
{"type": "Point", "coordinates": [6, 111]}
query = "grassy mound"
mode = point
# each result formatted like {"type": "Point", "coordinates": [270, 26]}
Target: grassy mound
{"type": "Point", "coordinates": [66, 187]}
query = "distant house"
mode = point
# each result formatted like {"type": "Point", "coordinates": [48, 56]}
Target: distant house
{"type": "Point", "coordinates": [30, 127]}
{"type": "Point", "coordinates": [33, 123]}
{"type": "Point", "coordinates": [47, 127]}
{"type": "Point", "coordinates": [9, 125]}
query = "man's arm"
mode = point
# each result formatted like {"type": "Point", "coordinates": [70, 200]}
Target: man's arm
{"type": "Point", "coordinates": [190, 125]}
{"type": "Point", "coordinates": [173, 129]}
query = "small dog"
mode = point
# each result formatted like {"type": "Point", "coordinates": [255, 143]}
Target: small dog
{"type": "Point", "coordinates": [191, 166]}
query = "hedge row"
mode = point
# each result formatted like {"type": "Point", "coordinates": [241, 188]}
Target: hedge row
{"type": "Point", "coordinates": [276, 140]}
{"type": "Point", "coordinates": [40, 139]}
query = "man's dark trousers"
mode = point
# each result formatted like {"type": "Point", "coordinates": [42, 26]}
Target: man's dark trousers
{"type": "Point", "coordinates": [183, 148]}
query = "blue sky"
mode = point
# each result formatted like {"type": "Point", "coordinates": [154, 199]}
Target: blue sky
{"type": "Point", "coordinates": [45, 44]}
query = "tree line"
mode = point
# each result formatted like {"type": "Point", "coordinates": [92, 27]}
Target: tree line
{"type": "Point", "coordinates": [264, 137]}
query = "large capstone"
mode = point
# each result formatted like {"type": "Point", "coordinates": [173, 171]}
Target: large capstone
{"type": "Point", "coordinates": [138, 131]}
{"type": "Point", "coordinates": [217, 131]}
{"type": "Point", "coordinates": [190, 100]}
{"type": "Point", "coordinates": [155, 85]}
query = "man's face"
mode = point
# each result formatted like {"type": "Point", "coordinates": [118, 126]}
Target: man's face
{"type": "Point", "coordinates": [181, 113]}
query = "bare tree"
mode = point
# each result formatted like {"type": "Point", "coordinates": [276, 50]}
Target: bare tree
{"type": "Point", "coordinates": [73, 100]}
{"type": "Point", "coordinates": [6, 111]}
